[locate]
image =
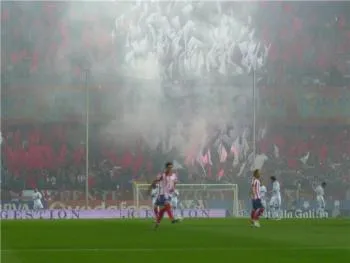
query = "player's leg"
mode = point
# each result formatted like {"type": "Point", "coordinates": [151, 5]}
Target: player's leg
{"type": "Point", "coordinates": [263, 202]}
{"type": "Point", "coordinates": [275, 207]}
{"type": "Point", "coordinates": [37, 206]}
{"type": "Point", "coordinates": [318, 210]}
{"type": "Point", "coordinates": [165, 207]}
{"type": "Point", "coordinates": [169, 210]}
{"type": "Point", "coordinates": [267, 209]}
{"type": "Point", "coordinates": [320, 206]}
{"type": "Point", "coordinates": [323, 208]}
{"type": "Point", "coordinates": [258, 212]}
{"type": "Point", "coordinates": [174, 206]}
{"type": "Point", "coordinates": [155, 208]}
{"type": "Point", "coordinates": [252, 213]}
{"type": "Point", "coordinates": [156, 211]}
{"type": "Point", "coordinates": [159, 211]}
{"type": "Point", "coordinates": [278, 208]}
{"type": "Point", "coordinates": [272, 206]}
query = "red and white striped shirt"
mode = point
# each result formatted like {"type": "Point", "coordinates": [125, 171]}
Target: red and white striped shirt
{"type": "Point", "coordinates": [174, 179]}
{"type": "Point", "coordinates": [256, 188]}
{"type": "Point", "coordinates": [166, 184]}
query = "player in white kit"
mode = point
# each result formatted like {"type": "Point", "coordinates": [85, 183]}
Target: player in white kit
{"type": "Point", "coordinates": [275, 201]}
{"type": "Point", "coordinates": [321, 204]}
{"type": "Point", "coordinates": [154, 196]}
{"type": "Point", "coordinates": [37, 204]}
{"type": "Point", "coordinates": [175, 196]}
{"type": "Point", "coordinates": [175, 203]}
{"type": "Point", "coordinates": [263, 197]}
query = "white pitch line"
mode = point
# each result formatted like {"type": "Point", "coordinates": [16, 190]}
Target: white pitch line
{"type": "Point", "coordinates": [97, 250]}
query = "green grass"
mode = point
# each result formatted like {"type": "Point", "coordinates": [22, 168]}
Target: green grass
{"type": "Point", "coordinates": [202, 241]}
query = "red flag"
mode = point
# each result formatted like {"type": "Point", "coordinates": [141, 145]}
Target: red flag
{"type": "Point", "coordinates": [221, 173]}
{"type": "Point", "coordinates": [206, 158]}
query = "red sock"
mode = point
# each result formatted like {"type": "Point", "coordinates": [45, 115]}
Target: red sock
{"type": "Point", "coordinates": [258, 213]}
{"type": "Point", "coordinates": [160, 214]}
{"type": "Point", "coordinates": [261, 211]}
{"type": "Point", "coordinates": [156, 211]}
{"type": "Point", "coordinates": [169, 212]}
{"type": "Point", "coordinates": [252, 214]}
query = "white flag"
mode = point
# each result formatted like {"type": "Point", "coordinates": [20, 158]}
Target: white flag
{"type": "Point", "coordinates": [177, 165]}
{"type": "Point", "coordinates": [276, 151]}
{"type": "Point", "coordinates": [305, 158]}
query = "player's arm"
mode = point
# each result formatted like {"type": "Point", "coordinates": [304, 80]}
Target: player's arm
{"type": "Point", "coordinates": [254, 190]}
{"type": "Point", "coordinates": [176, 180]}
{"type": "Point", "coordinates": [251, 191]}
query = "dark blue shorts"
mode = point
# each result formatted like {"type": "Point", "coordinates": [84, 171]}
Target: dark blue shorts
{"type": "Point", "coordinates": [162, 200]}
{"type": "Point", "coordinates": [257, 204]}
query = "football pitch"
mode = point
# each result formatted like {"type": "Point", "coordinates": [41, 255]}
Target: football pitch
{"type": "Point", "coordinates": [202, 241]}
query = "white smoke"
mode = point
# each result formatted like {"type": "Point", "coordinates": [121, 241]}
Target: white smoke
{"type": "Point", "coordinates": [164, 43]}
{"type": "Point", "coordinates": [172, 61]}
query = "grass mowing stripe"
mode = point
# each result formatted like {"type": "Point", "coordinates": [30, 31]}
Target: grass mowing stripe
{"type": "Point", "coordinates": [96, 250]}
{"type": "Point", "coordinates": [97, 241]}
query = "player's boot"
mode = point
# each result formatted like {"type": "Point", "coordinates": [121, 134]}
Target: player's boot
{"type": "Point", "coordinates": [252, 223]}
{"type": "Point", "coordinates": [156, 226]}
{"type": "Point", "coordinates": [175, 221]}
{"type": "Point", "coordinates": [278, 215]}
{"type": "Point", "coordinates": [256, 224]}
{"type": "Point", "coordinates": [179, 218]}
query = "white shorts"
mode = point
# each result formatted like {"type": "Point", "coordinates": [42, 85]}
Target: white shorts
{"type": "Point", "coordinates": [154, 200]}
{"type": "Point", "coordinates": [320, 202]}
{"type": "Point", "coordinates": [174, 202]}
{"type": "Point", "coordinates": [275, 200]}
{"type": "Point", "coordinates": [38, 206]}
{"type": "Point", "coordinates": [263, 202]}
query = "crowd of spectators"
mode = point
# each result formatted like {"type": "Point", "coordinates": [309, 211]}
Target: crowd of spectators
{"type": "Point", "coordinates": [42, 42]}
{"type": "Point", "coordinates": [46, 40]}
{"type": "Point", "coordinates": [311, 42]}
{"type": "Point", "coordinates": [52, 38]}
{"type": "Point", "coordinates": [53, 157]}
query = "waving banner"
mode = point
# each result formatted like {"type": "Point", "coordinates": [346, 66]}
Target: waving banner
{"type": "Point", "coordinates": [190, 39]}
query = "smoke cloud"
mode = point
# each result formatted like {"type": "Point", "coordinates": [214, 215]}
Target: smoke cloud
{"type": "Point", "coordinates": [173, 61]}
{"type": "Point", "coordinates": [176, 63]}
